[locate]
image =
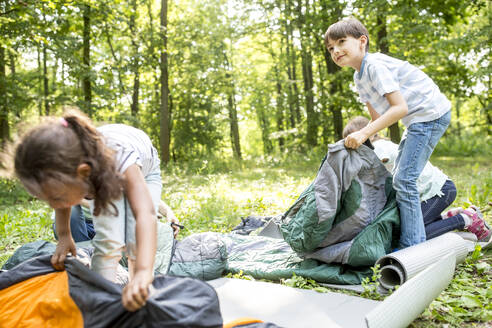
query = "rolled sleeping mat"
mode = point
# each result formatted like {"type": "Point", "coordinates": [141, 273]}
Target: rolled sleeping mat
{"type": "Point", "coordinates": [400, 266]}
{"type": "Point", "coordinates": [405, 304]}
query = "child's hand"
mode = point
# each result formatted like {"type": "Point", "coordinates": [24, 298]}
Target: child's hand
{"type": "Point", "coordinates": [135, 294]}
{"type": "Point", "coordinates": [65, 245]}
{"type": "Point", "coordinates": [355, 139]}
{"type": "Point", "coordinates": [174, 224]}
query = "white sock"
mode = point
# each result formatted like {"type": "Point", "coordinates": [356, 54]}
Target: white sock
{"type": "Point", "coordinates": [467, 219]}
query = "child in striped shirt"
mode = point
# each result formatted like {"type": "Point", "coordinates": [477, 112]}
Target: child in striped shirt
{"type": "Point", "coordinates": [394, 90]}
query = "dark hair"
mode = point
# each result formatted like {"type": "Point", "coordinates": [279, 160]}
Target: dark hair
{"type": "Point", "coordinates": [56, 148]}
{"type": "Point", "coordinates": [344, 27]}
{"type": "Point", "coordinates": [354, 125]}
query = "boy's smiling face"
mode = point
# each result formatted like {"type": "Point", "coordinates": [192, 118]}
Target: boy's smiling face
{"type": "Point", "coordinates": [348, 51]}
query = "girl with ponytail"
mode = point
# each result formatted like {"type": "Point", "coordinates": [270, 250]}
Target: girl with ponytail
{"type": "Point", "coordinates": [66, 160]}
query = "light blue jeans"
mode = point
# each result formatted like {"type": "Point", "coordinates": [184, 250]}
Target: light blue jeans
{"type": "Point", "coordinates": [413, 153]}
{"type": "Point", "coordinates": [115, 234]}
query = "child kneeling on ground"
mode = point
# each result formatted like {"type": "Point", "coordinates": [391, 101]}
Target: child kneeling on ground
{"type": "Point", "coordinates": [436, 191]}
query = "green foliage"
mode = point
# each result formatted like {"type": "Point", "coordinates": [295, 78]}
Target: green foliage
{"type": "Point", "coordinates": [12, 192]}
{"type": "Point", "coordinates": [371, 284]}
{"type": "Point", "coordinates": [464, 145]}
{"type": "Point", "coordinates": [481, 197]}
{"type": "Point", "coordinates": [22, 219]}
{"type": "Point", "coordinates": [467, 299]}
{"type": "Point", "coordinates": [472, 178]}
{"type": "Point", "coordinates": [19, 226]}
{"type": "Point", "coordinates": [304, 283]}
{"type": "Point", "coordinates": [239, 275]}
{"type": "Point", "coordinates": [247, 55]}
{"type": "Point", "coordinates": [215, 200]}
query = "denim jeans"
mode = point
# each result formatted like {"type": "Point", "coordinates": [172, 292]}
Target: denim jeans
{"type": "Point", "coordinates": [414, 151]}
{"type": "Point", "coordinates": [115, 234]}
{"type": "Point", "coordinates": [81, 227]}
{"type": "Point", "coordinates": [432, 209]}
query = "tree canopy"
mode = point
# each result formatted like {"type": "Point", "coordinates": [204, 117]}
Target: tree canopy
{"type": "Point", "coordinates": [229, 77]}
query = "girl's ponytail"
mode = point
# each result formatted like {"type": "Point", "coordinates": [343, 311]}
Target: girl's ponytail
{"type": "Point", "coordinates": [55, 149]}
{"type": "Point", "coordinates": [104, 178]}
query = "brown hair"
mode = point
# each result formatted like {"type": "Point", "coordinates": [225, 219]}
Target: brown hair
{"type": "Point", "coordinates": [56, 148]}
{"type": "Point", "coordinates": [355, 124]}
{"type": "Point", "coordinates": [344, 27]}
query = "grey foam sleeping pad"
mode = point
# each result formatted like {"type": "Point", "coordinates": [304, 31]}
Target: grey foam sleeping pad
{"type": "Point", "coordinates": [400, 266]}
{"type": "Point", "coordinates": [406, 303]}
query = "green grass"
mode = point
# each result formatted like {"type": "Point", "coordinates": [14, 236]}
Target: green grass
{"type": "Point", "coordinates": [22, 224]}
{"type": "Point", "coordinates": [214, 196]}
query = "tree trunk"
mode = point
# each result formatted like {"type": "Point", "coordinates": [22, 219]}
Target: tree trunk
{"type": "Point", "coordinates": [311, 117]}
{"type": "Point", "coordinates": [322, 115]}
{"type": "Point", "coordinates": [487, 107]}
{"type": "Point", "coordinates": [135, 95]}
{"type": "Point", "coordinates": [335, 88]}
{"type": "Point", "coordinates": [458, 114]}
{"type": "Point", "coordinates": [53, 76]}
{"type": "Point", "coordinates": [280, 108]}
{"type": "Point", "coordinates": [4, 115]}
{"type": "Point", "coordinates": [40, 88]}
{"type": "Point", "coordinates": [280, 121]}
{"type": "Point", "coordinates": [46, 90]}
{"type": "Point", "coordinates": [384, 48]}
{"type": "Point", "coordinates": [290, 88]}
{"type": "Point", "coordinates": [135, 62]}
{"type": "Point", "coordinates": [488, 115]}
{"type": "Point", "coordinates": [234, 128]}
{"type": "Point", "coordinates": [164, 108]}
{"type": "Point", "coordinates": [155, 59]}
{"type": "Point", "coordinates": [86, 80]}
{"type": "Point", "coordinates": [382, 34]}
{"type": "Point", "coordinates": [265, 129]}
{"type": "Point", "coordinates": [12, 64]}
{"type": "Point", "coordinates": [233, 124]}
{"type": "Point", "coordinates": [279, 115]}
{"type": "Point", "coordinates": [13, 78]}
{"type": "Point", "coordinates": [292, 63]}
{"type": "Point", "coordinates": [307, 74]}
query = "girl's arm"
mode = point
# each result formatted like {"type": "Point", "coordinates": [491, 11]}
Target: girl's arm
{"type": "Point", "coordinates": [168, 213]}
{"type": "Point", "coordinates": [65, 241]}
{"type": "Point", "coordinates": [398, 109]}
{"type": "Point", "coordinates": [136, 292]}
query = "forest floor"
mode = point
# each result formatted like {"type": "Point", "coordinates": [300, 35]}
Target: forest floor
{"type": "Point", "coordinates": [210, 197]}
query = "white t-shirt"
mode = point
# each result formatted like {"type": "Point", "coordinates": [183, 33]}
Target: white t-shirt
{"type": "Point", "coordinates": [430, 181]}
{"type": "Point", "coordinates": [132, 146]}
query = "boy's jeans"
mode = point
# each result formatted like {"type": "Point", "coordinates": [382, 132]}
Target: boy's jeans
{"type": "Point", "coordinates": [413, 153]}
{"type": "Point", "coordinates": [115, 234]}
